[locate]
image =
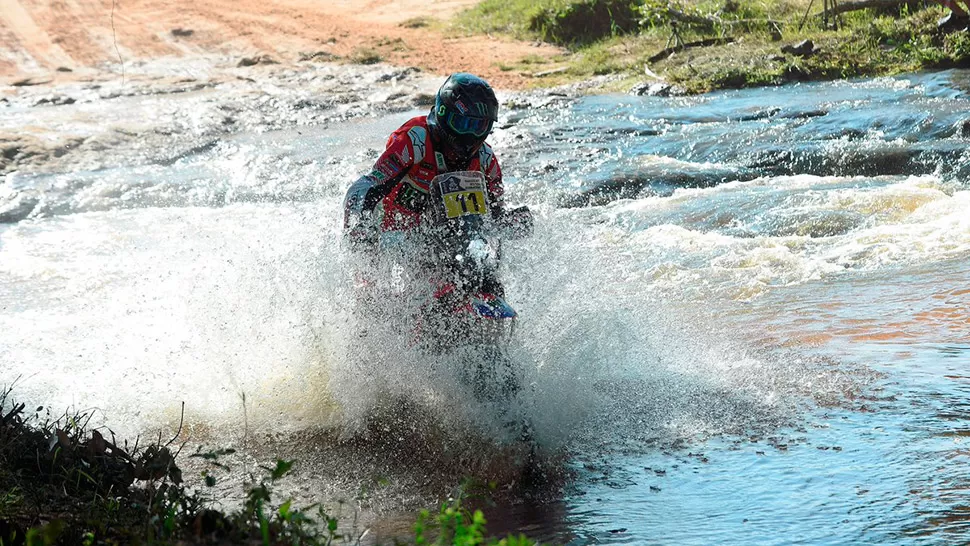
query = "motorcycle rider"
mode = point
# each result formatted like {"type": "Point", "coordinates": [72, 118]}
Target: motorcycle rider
{"type": "Point", "coordinates": [392, 196]}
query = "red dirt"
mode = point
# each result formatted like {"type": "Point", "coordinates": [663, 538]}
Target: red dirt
{"type": "Point", "coordinates": [38, 36]}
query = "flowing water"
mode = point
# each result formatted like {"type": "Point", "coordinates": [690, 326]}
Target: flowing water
{"type": "Point", "coordinates": [745, 317]}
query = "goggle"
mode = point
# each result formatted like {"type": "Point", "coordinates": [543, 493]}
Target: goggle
{"type": "Point", "coordinates": [467, 125]}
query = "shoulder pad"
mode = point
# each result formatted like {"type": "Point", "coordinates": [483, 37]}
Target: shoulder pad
{"type": "Point", "coordinates": [419, 137]}
{"type": "Point", "coordinates": [485, 155]}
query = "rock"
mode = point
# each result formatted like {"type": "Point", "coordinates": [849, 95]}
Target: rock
{"type": "Point", "coordinates": [806, 114]}
{"type": "Point", "coordinates": [640, 89]}
{"type": "Point", "coordinates": [423, 99]}
{"type": "Point", "coordinates": [398, 75]}
{"type": "Point", "coordinates": [963, 128]}
{"type": "Point", "coordinates": [657, 89]}
{"type": "Point", "coordinates": [313, 104]}
{"type": "Point", "coordinates": [758, 115]}
{"type": "Point", "coordinates": [64, 69]}
{"type": "Point", "coordinates": [18, 149]}
{"type": "Point", "coordinates": [804, 48]}
{"type": "Point", "coordinates": [26, 82]}
{"type": "Point", "coordinates": [182, 32]}
{"type": "Point", "coordinates": [54, 100]}
{"type": "Point", "coordinates": [259, 59]}
{"type": "Point", "coordinates": [796, 74]}
{"type": "Point", "coordinates": [319, 56]}
{"type": "Point", "coordinates": [550, 72]}
{"type": "Point", "coordinates": [17, 208]}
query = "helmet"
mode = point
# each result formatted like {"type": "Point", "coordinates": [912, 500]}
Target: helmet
{"type": "Point", "coordinates": [464, 110]}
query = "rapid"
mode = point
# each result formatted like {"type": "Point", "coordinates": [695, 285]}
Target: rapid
{"type": "Point", "coordinates": [744, 316]}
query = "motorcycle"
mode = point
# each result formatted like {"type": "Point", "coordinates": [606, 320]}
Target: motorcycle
{"type": "Point", "coordinates": [451, 262]}
{"type": "Point", "coordinates": [467, 309]}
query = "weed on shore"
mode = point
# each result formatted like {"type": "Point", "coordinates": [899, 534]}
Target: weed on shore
{"type": "Point", "coordinates": [63, 481]}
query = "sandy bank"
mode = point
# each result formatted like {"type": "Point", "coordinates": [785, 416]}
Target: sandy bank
{"type": "Point", "coordinates": [70, 39]}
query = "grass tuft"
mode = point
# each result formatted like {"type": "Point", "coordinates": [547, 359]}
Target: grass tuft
{"type": "Point", "coordinates": [365, 55]}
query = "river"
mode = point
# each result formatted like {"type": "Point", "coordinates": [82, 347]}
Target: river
{"type": "Point", "coordinates": [744, 316]}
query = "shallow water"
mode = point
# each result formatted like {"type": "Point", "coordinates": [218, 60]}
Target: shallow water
{"type": "Point", "coordinates": [744, 315]}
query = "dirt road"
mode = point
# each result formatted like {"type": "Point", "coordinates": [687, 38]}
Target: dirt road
{"type": "Point", "coordinates": [38, 37]}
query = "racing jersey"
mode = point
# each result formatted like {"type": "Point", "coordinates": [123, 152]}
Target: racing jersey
{"type": "Point", "coordinates": [402, 174]}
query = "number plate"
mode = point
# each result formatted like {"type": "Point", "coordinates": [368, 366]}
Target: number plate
{"type": "Point", "coordinates": [463, 194]}
{"type": "Point", "coordinates": [461, 203]}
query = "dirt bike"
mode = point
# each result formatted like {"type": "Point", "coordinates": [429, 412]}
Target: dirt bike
{"type": "Point", "coordinates": [452, 262]}
{"type": "Point", "coordinates": [467, 309]}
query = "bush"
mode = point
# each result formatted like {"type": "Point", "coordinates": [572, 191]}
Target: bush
{"type": "Point", "coordinates": [584, 22]}
{"type": "Point", "coordinates": [957, 48]}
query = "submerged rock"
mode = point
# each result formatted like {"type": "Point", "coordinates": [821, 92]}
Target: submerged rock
{"type": "Point", "coordinates": [963, 128]}
{"type": "Point", "coordinates": [17, 208]}
{"type": "Point", "coordinates": [656, 181]}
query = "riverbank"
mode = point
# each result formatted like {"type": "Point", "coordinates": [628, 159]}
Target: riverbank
{"type": "Point", "coordinates": [641, 46]}
{"type": "Point", "coordinates": [699, 46]}
{"type": "Point", "coordinates": [65, 481]}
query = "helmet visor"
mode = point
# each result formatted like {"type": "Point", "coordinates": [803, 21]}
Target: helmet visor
{"type": "Point", "coordinates": [459, 124]}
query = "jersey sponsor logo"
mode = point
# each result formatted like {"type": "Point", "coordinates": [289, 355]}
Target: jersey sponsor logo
{"type": "Point", "coordinates": [390, 167]}
{"type": "Point", "coordinates": [440, 159]}
{"type": "Point", "coordinates": [418, 137]}
{"type": "Point", "coordinates": [411, 196]}
{"type": "Point", "coordinates": [424, 172]}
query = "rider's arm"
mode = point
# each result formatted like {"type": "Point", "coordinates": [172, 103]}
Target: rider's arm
{"type": "Point", "coordinates": [360, 225]}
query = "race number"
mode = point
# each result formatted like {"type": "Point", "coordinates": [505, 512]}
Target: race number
{"type": "Point", "coordinates": [463, 194]}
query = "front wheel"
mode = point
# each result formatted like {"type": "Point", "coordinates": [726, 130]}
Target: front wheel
{"type": "Point", "coordinates": [494, 377]}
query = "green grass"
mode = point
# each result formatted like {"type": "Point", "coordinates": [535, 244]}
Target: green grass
{"type": "Point", "coordinates": [564, 22]}
{"type": "Point", "coordinates": [866, 43]}
{"type": "Point", "coordinates": [510, 17]}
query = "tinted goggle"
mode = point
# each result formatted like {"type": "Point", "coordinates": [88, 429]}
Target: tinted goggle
{"type": "Point", "coordinates": [467, 125]}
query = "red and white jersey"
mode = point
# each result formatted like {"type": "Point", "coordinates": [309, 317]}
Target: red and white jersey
{"type": "Point", "coordinates": [408, 165]}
